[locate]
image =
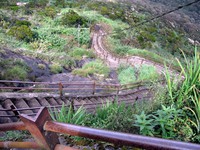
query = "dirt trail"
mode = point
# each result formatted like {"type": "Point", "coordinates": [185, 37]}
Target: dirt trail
{"type": "Point", "coordinates": [114, 61]}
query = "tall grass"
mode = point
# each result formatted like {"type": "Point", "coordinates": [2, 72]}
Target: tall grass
{"type": "Point", "coordinates": [185, 94]}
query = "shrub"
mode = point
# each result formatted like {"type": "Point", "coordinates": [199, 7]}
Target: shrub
{"type": "Point", "coordinates": [22, 22]}
{"type": "Point", "coordinates": [21, 33]}
{"type": "Point", "coordinates": [71, 18]}
{"type": "Point", "coordinates": [78, 53]}
{"type": "Point", "coordinates": [147, 72]}
{"type": "Point", "coordinates": [49, 12]}
{"type": "Point", "coordinates": [127, 75]}
{"type": "Point", "coordinates": [15, 73]}
{"type": "Point", "coordinates": [162, 122]}
{"type": "Point", "coordinates": [42, 66]}
{"type": "Point", "coordinates": [56, 68]}
{"type": "Point", "coordinates": [113, 116]}
{"type": "Point", "coordinates": [91, 68]}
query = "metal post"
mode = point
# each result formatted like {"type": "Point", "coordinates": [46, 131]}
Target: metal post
{"type": "Point", "coordinates": [46, 140]}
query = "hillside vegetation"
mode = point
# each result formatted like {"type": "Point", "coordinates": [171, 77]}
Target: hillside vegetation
{"type": "Point", "coordinates": [54, 37]}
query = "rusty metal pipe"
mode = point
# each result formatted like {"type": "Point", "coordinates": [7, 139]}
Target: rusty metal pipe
{"type": "Point", "coordinates": [12, 126]}
{"type": "Point", "coordinates": [9, 144]}
{"type": "Point", "coordinates": [119, 138]}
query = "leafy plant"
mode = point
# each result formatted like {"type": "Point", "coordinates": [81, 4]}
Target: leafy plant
{"type": "Point", "coordinates": [68, 115]}
{"type": "Point", "coordinates": [165, 121]}
{"type": "Point", "coordinates": [145, 124]}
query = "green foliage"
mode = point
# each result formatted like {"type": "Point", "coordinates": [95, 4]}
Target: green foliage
{"type": "Point", "coordinates": [56, 68]}
{"type": "Point", "coordinates": [15, 136]}
{"type": "Point", "coordinates": [145, 124]}
{"type": "Point", "coordinates": [161, 122]}
{"type": "Point", "coordinates": [93, 68]}
{"type": "Point", "coordinates": [68, 115]}
{"type": "Point", "coordinates": [22, 32]}
{"type": "Point", "coordinates": [15, 73]}
{"type": "Point", "coordinates": [13, 69]}
{"type": "Point", "coordinates": [49, 12]}
{"type": "Point", "coordinates": [165, 121]}
{"type": "Point", "coordinates": [147, 72]}
{"type": "Point", "coordinates": [127, 76]}
{"type": "Point", "coordinates": [71, 18]}
{"type": "Point", "coordinates": [186, 93]}
{"type": "Point", "coordinates": [22, 22]}
{"type": "Point", "coordinates": [42, 66]}
{"type": "Point", "coordinates": [113, 116]}
{"type": "Point", "coordinates": [78, 53]}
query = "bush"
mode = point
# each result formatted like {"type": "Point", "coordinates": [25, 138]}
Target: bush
{"type": "Point", "coordinates": [71, 18]}
{"type": "Point", "coordinates": [127, 75]}
{"type": "Point", "coordinates": [113, 116]}
{"type": "Point", "coordinates": [15, 73]}
{"type": "Point", "coordinates": [56, 68]}
{"type": "Point", "coordinates": [22, 22]}
{"type": "Point", "coordinates": [49, 12]}
{"type": "Point", "coordinates": [162, 122]}
{"type": "Point", "coordinates": [21, 33]}
{"type": "Point", "coordinates": [147, 72]}
{"type": "Point", "coordinates": [91, 68]}
{"type": "Point", "coordinates": [42, 66]}
{"type": "Point", "coordinates": [78, 53]}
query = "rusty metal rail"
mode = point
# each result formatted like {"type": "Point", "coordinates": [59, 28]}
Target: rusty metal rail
{"type": "Point", "coordinates": [44, 132]}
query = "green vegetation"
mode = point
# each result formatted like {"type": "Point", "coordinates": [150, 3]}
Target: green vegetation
{"type": "Point", "coordinates": [58, 32]}
{"type": "Point", "coordinates": [147, 73]}
{"type": "Point", "coordinates": [93, 68]}
{"type": "Point", "coordinates": [15, 136]}
{"type": "Point", "coordinates": [13, 69]}
{"type": "Point", "coordinates": [79, 53]}
{"type": "Point", "coordinates": [128, 74]}
{"type": "Point", "coordinates": [71, 18]}
{"type": "Point", "coordinates": [22, 32]}
{"type": "Point", "coordinates": [56, 68]}
{"type": "Point", "coordinates": [68, 115]}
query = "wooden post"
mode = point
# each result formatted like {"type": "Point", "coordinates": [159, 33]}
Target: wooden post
{"type": "Point", "coordinates": [46, 140]}
{"type": "Point", "coordinates": [61, 89]}
{"type": "Point", "coordinates": [94, 88]}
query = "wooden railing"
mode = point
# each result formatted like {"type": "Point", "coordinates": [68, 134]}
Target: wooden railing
{"type": "Point", "coordinates": [83, 88]}
{"type": "Point", "coordinates": [44, 132]}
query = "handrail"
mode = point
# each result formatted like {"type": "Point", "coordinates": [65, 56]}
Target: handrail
{"type": "Point", "coordinates": [42, 122]}
{"type": "Point", "coordinates": [118, 138]}
{"type": "Point", "coordinates": [69, 87]}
